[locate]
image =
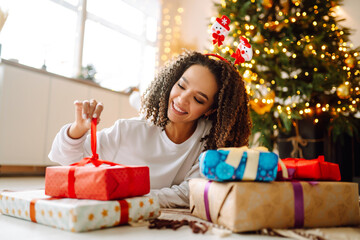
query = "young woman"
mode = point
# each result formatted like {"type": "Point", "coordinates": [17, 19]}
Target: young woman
{"type": "Point", "coordinates": [195, 103]}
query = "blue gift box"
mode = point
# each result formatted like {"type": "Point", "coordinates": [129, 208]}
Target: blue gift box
{"type": "Point", "coordinates": [214, 166]}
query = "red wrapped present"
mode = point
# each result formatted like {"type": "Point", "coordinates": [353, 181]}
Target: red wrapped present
{"type": "Point", "coordinates": [315, 169]}
{"type": "Point", "coordinates": [100, 180]}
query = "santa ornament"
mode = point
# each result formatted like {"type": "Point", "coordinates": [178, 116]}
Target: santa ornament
{"type": "Point", "coordinates": [220, 29]}
{"type": "Point", "coordinates": [243, 52]}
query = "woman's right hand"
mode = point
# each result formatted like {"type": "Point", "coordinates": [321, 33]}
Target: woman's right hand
{"type": "Point", "coordinates": [84, 112]}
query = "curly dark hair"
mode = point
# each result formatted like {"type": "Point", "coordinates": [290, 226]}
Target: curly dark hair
{"type": "Point", "coordinates": [231, 123]}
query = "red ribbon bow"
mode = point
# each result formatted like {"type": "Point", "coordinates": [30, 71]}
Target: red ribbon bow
{"type": "Point", "coordinates": [218, 39]}
{"type": "Point", "coordinates": [94, 160]}
{"type": "Point", "coordinates": [238, 57]}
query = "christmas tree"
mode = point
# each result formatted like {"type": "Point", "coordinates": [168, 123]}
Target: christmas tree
{"type": "Point", "coordinates": [303, 65]}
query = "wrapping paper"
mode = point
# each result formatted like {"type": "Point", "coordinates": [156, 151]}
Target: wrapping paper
{"type": "Point", "coordinates": [99, 183]}
{"type": "Point", "coordinates": [92, 178]}
{"type": "Point", "coordinates": [74, 214]}
{"type": "Point", "coordinates": [315, 169]}
{"type": "Point", "coordinates": [238, 164]}
{"type": "Point", "coordinates": [250, 206]}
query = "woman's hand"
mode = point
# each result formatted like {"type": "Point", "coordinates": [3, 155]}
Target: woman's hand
{"type": "Point", "coordinates": [84, 112]}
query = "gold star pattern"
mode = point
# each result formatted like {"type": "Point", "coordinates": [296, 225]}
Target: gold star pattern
{"type": "Point", "coordinates": [12, 199]}
{"type": "Point", "coordinates": [73, 229]}
{"type": "Point", "coordinates": [7, 211]}
{"type": "Point", "coordinates": [91, 216]}
{"type": "Point", "coordinates": [19, 212]}
{"type": "Point", "coordinates": [1, 196]}
{"type": "Point", "coordinates": [104, 213]}
{"type": "Point", "coordinates": [42, 212]}
{"type": "Point", "coordinates": [117, 208]}
{"type": "Point", "coordinates": [26, 213]}
{"type": "Point", "coordinates": [13, 211]}
{"type": "Point", "coordinates": [74, 219]}
{"type": "Point", "coordinates": [59, 214]}
{"type": "Point", "coordinates": [50, 213]}
{"type": "Point", "coordinates": [141, 203]}
{"type": "Point", "coordinates": [151, 201]}
{"type": "Point", "coordinates": [6, 198]}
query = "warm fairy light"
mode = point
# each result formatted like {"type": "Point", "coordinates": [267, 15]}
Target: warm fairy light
{"type": "Point", "coordinates": [293, 19]}
{"type": "Point", "coordinates": [314, 23]}
{"type": "Point", "coordinates": [298, 92]}
{"type": "Point", "coordinates": [316, 120]}
{"type": "Point", "coordinates": [356, 54]}
{"type": "Point", "coordinates": [295, 77]}
{"type": "Point", "coordinates": [257, 51]}
{"type": "Point", "coordinates": [273, 82]}
{"type": "Point", "coordinates": [294, 55]}
{"type": "Point", "coordinates": [304, 14]}
{"type": "Point", "coordinates": [318, 105]}
{"type": "Point", "coordinates": [306, 74]}
{"type": "Point", "coordinates": [280, 44]}
{"type": "Point", "coordinates": [280, 13]}
{"type": "Point", "coordinates": [180, 10]}
{"type": "Point", "coordinates": [274, 127]}
{"type": "Point", "coordinates": [322, 55]}
{"type": "Point", "coordinates": [301, 112]}
{"type": "Point", "coordinates": [347, 83]}
{"type": "Point", "coordinates": [333, 57]}
{"type": "Point", "coordinates": [315, 69]}
{"type": "Point", "coordinates": [307, 104]}
{"type": "Point", "coordinates": [315, 7]}
{"type": "Point", "coordinates": [284, 50]}
{"type": "Point", "coordinates": [271, 50]}
{"type": "Point", "coordinates": [298, 14]}
{"type": "Point", "coordinates": [323, 109]}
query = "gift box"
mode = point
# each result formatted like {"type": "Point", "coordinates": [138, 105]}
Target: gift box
{"type": "Point", "coordinates": [315, 169]}
{"type": "Point", "coordinates": [250, 206]}
{"type": "Point", "coordinates": [92, 178]}
{"type": "Point", "coordinates": [76, 215]}
{"type": "Point", "coordinates": [239, 164]}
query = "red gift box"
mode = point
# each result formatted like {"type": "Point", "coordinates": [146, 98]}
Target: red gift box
{"type": "Point", "coordinates": [315, 169]}
{"type": "Point", "coordinates": [97, 181]}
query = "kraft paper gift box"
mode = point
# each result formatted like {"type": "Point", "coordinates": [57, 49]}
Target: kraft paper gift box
{"type": "Point", "coordinates": [229, 164]}
{"type": "Point", "coordinates": [250, 206]}
{"type": "Point", "coordinates": [92, 178]}
{"type": "Point", "coordinates": [76, 215]}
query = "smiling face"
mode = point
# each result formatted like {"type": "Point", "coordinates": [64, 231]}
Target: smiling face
{"type": "Point", "coordinates": [192, 95]}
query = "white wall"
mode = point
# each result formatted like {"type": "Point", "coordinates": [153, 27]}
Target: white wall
{"type": "Point", "coordinates": [350, 11]}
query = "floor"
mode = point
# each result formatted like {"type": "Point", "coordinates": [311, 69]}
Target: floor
{"type": "Point", "coordinates": [13, 228]}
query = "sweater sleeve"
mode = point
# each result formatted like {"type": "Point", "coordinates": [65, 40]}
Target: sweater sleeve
{"type": "Point", "coordinates": [177, 195]}
{"type": "Point", "coordinates": [66, 150]}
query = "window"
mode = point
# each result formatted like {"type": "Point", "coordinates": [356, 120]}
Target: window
{"type": "Point", "coordinates": [117, 37]}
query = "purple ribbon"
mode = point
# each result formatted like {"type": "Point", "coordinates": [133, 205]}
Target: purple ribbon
{"type": "Point", "coordinates": [206, 200]}
{"type": "Point", "coordinates": [298, 205]}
